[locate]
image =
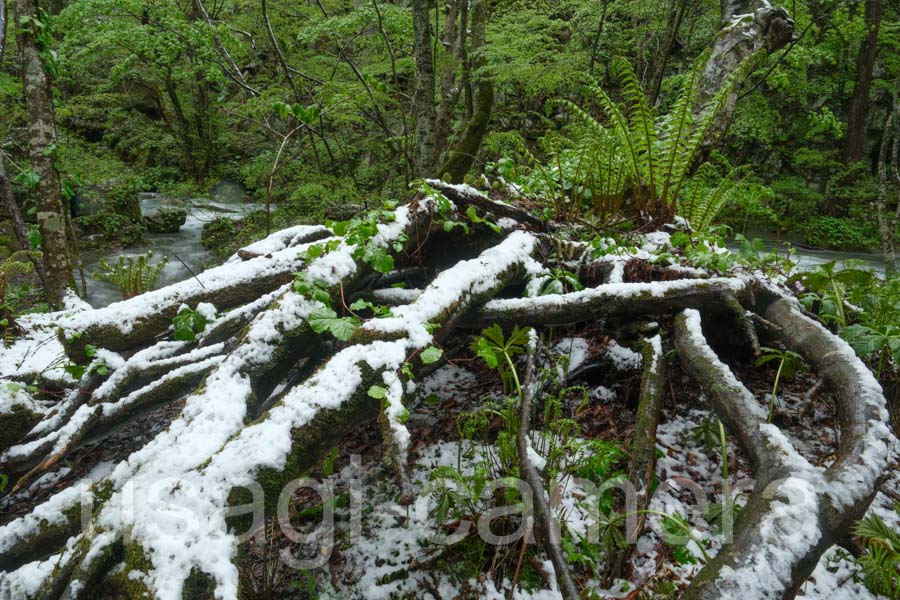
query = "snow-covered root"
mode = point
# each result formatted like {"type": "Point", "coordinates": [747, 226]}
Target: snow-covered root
{"type": "Point", "coordinates": [235, 390]}
{"type": "Point", "coordinates": [304, 423]}
{"type": "Point", "coordinates": [150, 368]}
{"type": "Point", "coordinates": [19, 413]}
{"type": "Point", "coordinates": [612, 300]}
{"type": "Point", "coordinates": [395, 436]}
{"type": "Point", "coordinates": [466, 195]}
{"type": "Point", "coordinates": [134, 323]}
{"type": "Point", "coordinates": [311, 418]}
{"type": "Point", "coordinates": [796, 511]}
{"type": "Point", "coordinates": [285, 238]}
{"type": "Point", "coordinates": [97, 419]}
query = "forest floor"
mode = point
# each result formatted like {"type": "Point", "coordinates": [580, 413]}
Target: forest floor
{"type": "Point", "coordinates": [394, 553]}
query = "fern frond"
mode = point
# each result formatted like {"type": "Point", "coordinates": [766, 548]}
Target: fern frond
{"type": "Point", "coordinates": [676, 130]}
{"type": "Point", "coordinates": [688, 152]}
{"type": "Point", "coordinates": [705, 205]}
{"type": "Point", "coordinates": [641, 122]}
{"type": "Point", "coordinates": [623, 131]}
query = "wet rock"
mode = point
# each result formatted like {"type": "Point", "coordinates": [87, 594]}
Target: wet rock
{"type": "Point", "coordinates": [166, 220]}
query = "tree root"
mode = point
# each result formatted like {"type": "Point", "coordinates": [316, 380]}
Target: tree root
{"type": "Point", "coordinates": [796, 511]}
{"type": "Point", "coordinates": [275, 397]}
{"type": "Point", "coordinates": [610, 301]}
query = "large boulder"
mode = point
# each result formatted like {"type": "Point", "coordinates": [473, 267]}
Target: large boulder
{"type": "Point", "coordinates": [166, 220]}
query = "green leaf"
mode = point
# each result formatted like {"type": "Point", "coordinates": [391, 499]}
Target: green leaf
{"type": "Point", "coordinates": [361, 305]}
{"type": "Point", "coordinates": [487, 353]}
{"type": "Point", "coordinates": [431, 355]}
{"type": "Point", "coordinates": [377, 392]}
{"type": "Point", "coordinates": [325, 319]}
{"type": "Point", "coordinates": [382, 261]}
{"type": "Point", "coordinates": [472, 213]}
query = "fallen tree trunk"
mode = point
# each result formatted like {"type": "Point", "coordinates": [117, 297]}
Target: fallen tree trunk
{"type": "Point", "coordinates": [615, 300]}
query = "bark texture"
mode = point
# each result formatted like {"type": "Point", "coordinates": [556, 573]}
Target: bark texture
{"type": "Point", "coordinates": [51, 211]}
{"type": "Point", "coordinates": [747, 28]}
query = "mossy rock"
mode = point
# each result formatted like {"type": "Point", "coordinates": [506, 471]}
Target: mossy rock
{"type": "Point", "coordinates": [109, 229]}
{"type": "Point", "coordinates": [217, 233]}
{"type": "Point", "coordinates": [166, 220]}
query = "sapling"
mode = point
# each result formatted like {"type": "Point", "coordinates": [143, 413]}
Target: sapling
{"type": "Point", "coordinates": [788, 364]}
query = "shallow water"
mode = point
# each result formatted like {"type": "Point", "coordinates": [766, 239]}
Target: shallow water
{"type": "Point", "coordinates": [185, 252]}
{"type": "Point", "coordinates": [808, 258]}
{"type": "Point", "coordinates": [194, 258]}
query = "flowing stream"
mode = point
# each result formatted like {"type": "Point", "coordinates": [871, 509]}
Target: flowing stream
{"type": "Point", "coordinates": [809, 258]}
{"type": "Point", "coordinates": [185, 252]}
{"type": "Point", "coordinates": [187, 255]}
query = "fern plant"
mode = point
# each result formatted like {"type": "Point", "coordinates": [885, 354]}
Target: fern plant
{"type": "Point", "coordinates": [17, 262]}
{"type": "Point", "coordinates": [881, 562]}
{"type": "Point", "coordinates": [133, 275]}
{"type": "Point", "coordinates": [657, 153]}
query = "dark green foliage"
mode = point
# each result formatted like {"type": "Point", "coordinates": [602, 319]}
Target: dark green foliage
{"type": "Point", "coordinates": [187, 324]}
{"type": "Point", "coordinates": [881, 561]}
{"type": "Point", "coordinates": [107, 229]}
{"type": "Point", "coordinates": [218, 232]}
{"type": "Point", "coordinates": [840, 233]}
{"type": "Point", "coordinates": [166, 220]}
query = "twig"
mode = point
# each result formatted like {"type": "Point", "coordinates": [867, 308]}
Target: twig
{"type": "Point", "coordinates": [189, 270]}
{"type": "Point", "coordinates": [544, 517]}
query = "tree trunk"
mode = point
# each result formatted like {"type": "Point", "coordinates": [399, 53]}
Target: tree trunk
{"type": "Point", "coordinates": [449, 90]}
{"type": "Point", "coordinates": [677, 9]}
{"type": "Point", "coordinates": [20, 231]}
{"type": "Point", "coordinates": [462, 155]}
{"type": "Point", "coordinates": [423, 97]}
{"type": "Point", "coordinates": [51, 211]}
{"type": "Point", "coordinates": [855, 140]}
{"type": "Point", "coordinates": [887, 228]}
{"type": "Point", "coordinates": [746, 28]}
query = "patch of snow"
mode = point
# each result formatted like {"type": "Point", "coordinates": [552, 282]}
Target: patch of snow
{"type": "Point", "coordinates": [623, 358]}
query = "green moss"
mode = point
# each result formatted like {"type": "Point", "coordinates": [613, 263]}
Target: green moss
{"type": "Point", "coordinates": [120, 585]}
{"type": "Point", "coordinates": [109, 229]}
{"type": "Point", "coordinates": [166, 220]}
{"type": "Point", "coordinates": [15, 424]}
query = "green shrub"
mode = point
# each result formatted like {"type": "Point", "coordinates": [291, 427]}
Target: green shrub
{"type": "Point", "coordinates": [133, 275]}
{"type": "Point", "coordinates": [217, 233]}
{"type": "Point", "coordinates": [166, 220]}
{"type": "Point", "coordinates": [122, 197]}
{"type": "Point", "coordinates": [114, 229]}
{"type": "Point", "coordinates": [839, 233]}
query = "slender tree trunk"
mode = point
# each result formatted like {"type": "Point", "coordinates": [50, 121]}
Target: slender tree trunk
{"type": "Point", "coordinates": [887, 228]}
{"type": "Point", "coordinates": [449, 89]}
{"type": "Point", "coordinates": [423, 96]}
{"type": "Point", "coordinates": [854, 141]}
{"type": "Point", "coordinates": [597, 35]}
{"type": "Point", "coordinates": [51, 212]}
{"type": "Point", "coordinates": [462, 155]}
{"type": "Point", "coordinates": [7, 195]}
{"type": "Point", "coordinates": [677, 9]}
